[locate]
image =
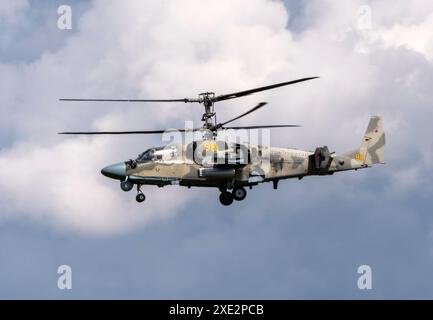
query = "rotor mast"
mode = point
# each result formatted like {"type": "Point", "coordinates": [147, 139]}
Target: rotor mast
{"type": "Point", "coordinates": [209, 115]}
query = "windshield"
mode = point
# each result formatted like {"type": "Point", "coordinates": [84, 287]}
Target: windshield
{"type": "Point", "coordinates": [146, 155]}
{"type": "Point", "coordinates": [150, 155]}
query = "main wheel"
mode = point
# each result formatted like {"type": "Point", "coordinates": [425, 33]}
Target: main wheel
{"type": "Point", "coordinates": [226, 198]}
{"type": "Point", "coordinates": [126, 185]}
{"type": "Point", "coordinates": [140, 197]}
{"type": "Point", "coordinates": [239, 193]}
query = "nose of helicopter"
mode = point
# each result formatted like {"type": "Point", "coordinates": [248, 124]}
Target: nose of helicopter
{"type": "Point", "coordinates": [115, 171]}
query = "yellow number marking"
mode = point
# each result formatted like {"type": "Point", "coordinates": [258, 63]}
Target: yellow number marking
{"type": "Point", "coordinates": [210, 147]}
{"type": "Point", "coordinates": [359, 157]}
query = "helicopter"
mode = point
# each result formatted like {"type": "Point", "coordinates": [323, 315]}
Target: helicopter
{"type": "Point", "coordinates": [231, 166]}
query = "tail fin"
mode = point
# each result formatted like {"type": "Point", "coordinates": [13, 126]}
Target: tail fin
{"type": "Point", "coordinates": [372, 149]}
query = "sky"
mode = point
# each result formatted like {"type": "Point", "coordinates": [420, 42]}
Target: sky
{"type": "Point", "coordinates": [305, 240]}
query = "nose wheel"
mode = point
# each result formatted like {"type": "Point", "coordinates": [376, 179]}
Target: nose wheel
{"type": "Point", "coordinates": [126, 185]}
{"type": "Point", "coordinates": [140, 195]}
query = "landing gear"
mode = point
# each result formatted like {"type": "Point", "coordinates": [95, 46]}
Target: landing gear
{"type": "Point", "coordinates": [239, 193]}
{"type": "Point", "coordinates": [226, 198]}
{"type": "Point", "coordinates": [126, 185]}
{"type": "Point", "coordinates": [140, 196]}
{"type": "Point", "coordinates": [222, 189]}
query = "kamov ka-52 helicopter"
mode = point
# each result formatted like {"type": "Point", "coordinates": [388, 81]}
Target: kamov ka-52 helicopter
{"type": "Point", "coordinates": [232, 167]}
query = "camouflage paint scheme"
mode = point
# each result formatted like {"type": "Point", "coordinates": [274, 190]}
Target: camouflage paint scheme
{"type": "Point", "coordinates": [172, 165]}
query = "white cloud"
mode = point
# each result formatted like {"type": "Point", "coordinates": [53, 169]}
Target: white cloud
{"type": "Point", "coordinates": [152, 49]}
{"type": "Point", "coordinates": [180, 48]}
{"type": "Point", "coordinates": [10, 8]}
{"type": "Point", "coordinates": [61, 185]}
{"type": "Point", "coordinates": [417, 37]}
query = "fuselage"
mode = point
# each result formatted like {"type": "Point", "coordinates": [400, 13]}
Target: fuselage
{"type": "Point", "coordinates": [231, 167]}
{"type": "Point", "coordinates": [235, 165]}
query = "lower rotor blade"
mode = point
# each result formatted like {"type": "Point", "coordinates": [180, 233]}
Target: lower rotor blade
{"type": "Point", "coordinates": [260, 105]}
{"type": "Point", "coordinates": [130, 100]}
{"type": "Point", "coordinates": [264, 127]}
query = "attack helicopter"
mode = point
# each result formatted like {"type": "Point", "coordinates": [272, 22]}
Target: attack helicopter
{"type": "Point", "coordinates": [231, 167]}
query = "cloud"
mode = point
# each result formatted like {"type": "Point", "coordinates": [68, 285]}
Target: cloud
{"type": "Point", "coordinates": [417, 37]}
{"type": "Point", "coordinates": [11, 8]}
{"type": "Point", "coordinates": [56, 185]}
{"type": "Point", "coordinates": [175, 49]}
{"type": "Point", "coordinates": [140, 56]}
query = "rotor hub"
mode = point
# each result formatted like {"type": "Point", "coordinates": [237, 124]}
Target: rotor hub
{"type": "Point", "coordinates": [209, 116]}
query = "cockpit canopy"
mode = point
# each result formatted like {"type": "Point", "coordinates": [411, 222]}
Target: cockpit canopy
{"type": "Point", "coordinates": [167, 153]}
{"type": "Point", "coordinates": [146, 155]}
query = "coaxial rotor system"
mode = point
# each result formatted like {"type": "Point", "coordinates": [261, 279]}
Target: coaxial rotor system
{"type": "Point", "coordinates": [208, 100]}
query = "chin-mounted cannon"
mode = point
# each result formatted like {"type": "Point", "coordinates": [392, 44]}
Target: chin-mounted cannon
{"type": "Point", "coordinates": [131, 163]}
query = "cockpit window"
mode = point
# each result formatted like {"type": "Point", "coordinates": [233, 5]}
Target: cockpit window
{"type": "Point", "coordinates": [150, 155]}
{"type": "Point", "coordinates": [146, 155]}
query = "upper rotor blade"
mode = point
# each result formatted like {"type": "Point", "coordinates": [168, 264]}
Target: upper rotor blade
{"type": "Point", "coordinates": [261, 104]}
{"type": "Point", "coordinates": [125, 132]}
{"type": "Point", "coordinates": [172, 130]}
{"type": "Point", "coordinates": [248, 92]}
{"type": "Point", "coordinates": [132, 100]}
{"type": "Point", "coordinates": [265, 126]}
